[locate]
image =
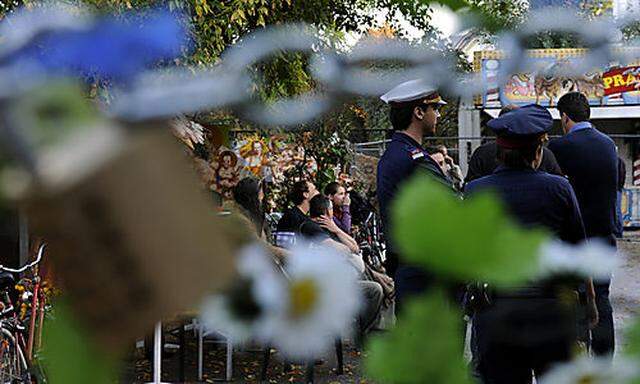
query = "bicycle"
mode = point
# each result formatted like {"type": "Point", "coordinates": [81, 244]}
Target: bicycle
{"type": "Point", "coordinates": [17, 363]}
{"type": "Point", "coordinates": [371, 243]}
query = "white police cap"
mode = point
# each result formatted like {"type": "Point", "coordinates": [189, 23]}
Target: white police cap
{"type": "Point", "coordinates": [411, 91]}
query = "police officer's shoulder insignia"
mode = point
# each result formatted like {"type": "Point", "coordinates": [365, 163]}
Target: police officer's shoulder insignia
{"type": "Point", "coordinates": [416, 153]}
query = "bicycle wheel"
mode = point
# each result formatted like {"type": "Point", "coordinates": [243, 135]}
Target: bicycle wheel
{"type": "Point", "coordinates": [38, 375]}
{"type": "Point", "coordinates": [9, 368]}
{"type": "Point", "coordinates": [24, 369]}
{"type": "Point", "coordinates": [14, 368]}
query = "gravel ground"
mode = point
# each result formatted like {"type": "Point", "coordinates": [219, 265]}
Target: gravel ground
{"type": "Point", "coordinates": [625, 287]}
{"type": "Point", "coordinates": [246, 367]}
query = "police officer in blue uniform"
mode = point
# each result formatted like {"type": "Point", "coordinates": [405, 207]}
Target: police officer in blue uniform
{"type": "Point", "coordinates": [526, 329]}
{"type": "Point", "coordinates": [414, 113]}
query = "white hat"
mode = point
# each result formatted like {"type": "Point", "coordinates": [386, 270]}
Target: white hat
{"type": "Point", "coordinates": [413, 90]}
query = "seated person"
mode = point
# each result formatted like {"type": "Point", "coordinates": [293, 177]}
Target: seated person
{"type": "Point", "coordinates": [449, 167]}
{"type": "Point", "coordinates": [247, 208]}
{"type": "Point", "coordinates": [322, 229]}
{"type": "Point", "coordinates": [341, 205]}
{"type": "Point", "coordinates": [300, 195]}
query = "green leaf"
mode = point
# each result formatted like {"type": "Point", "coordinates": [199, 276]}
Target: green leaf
{"type": "Point", "coordinates": [425, 346]}
{"type": "Point", "coordinates": [50, 115]}
{"type": "Point", "coordinates": [68, 354]}
{"type": "Point", "coordinates": [470, 240]}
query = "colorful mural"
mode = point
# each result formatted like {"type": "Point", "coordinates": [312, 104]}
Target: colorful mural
{"type": "Point", "coordinates": [614, 85]}
{"type": "Point", "coordinates": [226, 171]}
{"type": "Point", "coordinates": [267, 158]}
{"type": "Point", "coordinates": [279, 159]}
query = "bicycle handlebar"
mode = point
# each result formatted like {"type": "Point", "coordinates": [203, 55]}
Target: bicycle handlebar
{"type": "Point", "coordinates": [25, 267]}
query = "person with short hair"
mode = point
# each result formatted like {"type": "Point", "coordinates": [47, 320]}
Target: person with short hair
{"type": "Point", "coordinates": [300, 195]}
{"type": "Point", "coordinates": [525, 330]}
{"type": "Point", "coordinates": [323, 230]}
{"type": "Point", "coordinates": [589, 159]}
{"type": "Point", "coordinates": [450, 168]}
{"type": "Point", "coordinates": [484, 161]}
{"type": "Point", "coordinates": [321, 227]}
{"type": "Point", "coordinates": [414, 112]}
{"type": "Point", "coordinates": [341, 201]}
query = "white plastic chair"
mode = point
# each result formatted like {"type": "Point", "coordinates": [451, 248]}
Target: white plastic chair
{"type": "Point", "coordinates": [221, 339]}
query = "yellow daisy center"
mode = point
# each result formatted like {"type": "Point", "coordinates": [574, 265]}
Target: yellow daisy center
{"type": "Point", "coordinates": [586, 379]}
{"type": "Point", "coordinates": [303, 295]}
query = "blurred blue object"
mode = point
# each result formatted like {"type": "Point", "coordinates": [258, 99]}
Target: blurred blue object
{"type": "Point", "coordinates": [109, 49]}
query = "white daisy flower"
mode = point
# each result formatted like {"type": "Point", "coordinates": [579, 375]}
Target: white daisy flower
{"type": "Point", "coordinates": [589, 259]}
{"type": "Point", "coordinates": [256, 264]}
{"type": "Point", "coordinates": [587, 370]}
{"type": "Point", "coordinates": [258, 294]}
{"type": "Point", "coordinates": [321, 301]}
{"type": "Point", "coordinates": [217, 317]}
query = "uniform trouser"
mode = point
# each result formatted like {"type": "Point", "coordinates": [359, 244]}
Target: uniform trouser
{"type": "Point", "coordinates": [473, 348]}
{"type": "Point", "coordinates": [603, 336]}
{"type": "Point", "coordinates": [410, 281]}
{"type": "Point", "coordinates": [521, 337]}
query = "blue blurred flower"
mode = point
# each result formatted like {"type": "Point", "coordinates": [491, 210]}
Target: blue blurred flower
{"type": "Point", "coordinates": [111, 48]}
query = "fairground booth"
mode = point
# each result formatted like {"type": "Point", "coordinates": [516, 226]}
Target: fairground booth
{"type": "Point", "coordinates": [614, 94]}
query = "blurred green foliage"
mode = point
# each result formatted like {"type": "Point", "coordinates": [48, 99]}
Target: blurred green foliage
{"type": "Point", "coordinates": [69, 356]}
{"type": "Point", "coordinates": [50, 115]}
{"type": "Point", "coordinates": [424, 347]}
{"type": "Point", "coordinates": [470, 240]}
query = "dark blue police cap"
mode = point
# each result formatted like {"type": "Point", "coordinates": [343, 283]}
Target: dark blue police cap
{"type": "Point", "coordinates": [522, 126]}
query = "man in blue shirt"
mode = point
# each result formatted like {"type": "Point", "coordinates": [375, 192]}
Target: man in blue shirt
{"type": "Point", "coordinates": [414, 113]}
{"type": "Point", "coordinates": [588, 158]}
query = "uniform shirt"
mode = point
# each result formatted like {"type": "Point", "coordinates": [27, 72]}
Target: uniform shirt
{"type": "Point", "coordinates": [483, 162]}
{"type": "Point", "coordinates": [292, 220]}
{"type": "Point", "coordinates": [403, 157]}
{"type": "Point", "coordinates": [536, 199]}
{"type": "Point", "coordinates": [589, 159]}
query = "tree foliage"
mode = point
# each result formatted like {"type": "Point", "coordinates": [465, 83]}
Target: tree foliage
{"type": "Point", "coordinates": [8, 6]}
{"type": "Point", "coordinates": [507, 14]}
{"type": "Point", "coordinates": [511, 14]}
